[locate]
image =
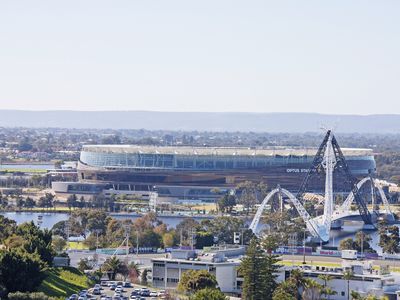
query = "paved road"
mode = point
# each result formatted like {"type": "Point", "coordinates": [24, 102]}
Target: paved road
{"type": "Point", "coordinates": [144, 260]}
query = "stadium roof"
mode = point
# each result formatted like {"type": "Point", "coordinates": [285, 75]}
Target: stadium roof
{"type": "Point", "coordinates": [221, 151]}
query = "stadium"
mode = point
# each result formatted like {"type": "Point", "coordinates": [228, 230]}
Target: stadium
{"type": "Point", "coordinates": [195, 173]}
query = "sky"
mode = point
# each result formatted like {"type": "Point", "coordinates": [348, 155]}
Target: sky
{"type": "Point", "coordinates": [339, 57]}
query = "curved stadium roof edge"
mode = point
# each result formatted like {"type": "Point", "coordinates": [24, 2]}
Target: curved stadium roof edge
{"type": "Point", "coordinates": [220, 151]}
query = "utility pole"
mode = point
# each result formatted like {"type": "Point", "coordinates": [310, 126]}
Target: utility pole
{"type": "Point", "coordinates": [304, 246]}
{"type": "Point", "coordinates": [137, 243]}
{"type": "Point", "coordinates": [127, 229]}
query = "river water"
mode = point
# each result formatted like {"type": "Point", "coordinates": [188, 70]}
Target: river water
{"type": "Point", "coordinates": [26, 166]}
{"type": "Point", "coordinates": [50, 218]}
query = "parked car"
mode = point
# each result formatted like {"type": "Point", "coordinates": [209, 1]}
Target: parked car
{"type": "Point", "coordinates": [153, 294]}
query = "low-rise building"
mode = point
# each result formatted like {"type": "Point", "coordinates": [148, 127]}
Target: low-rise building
{"type": "Point", "coordinates": [166, 272]}
{"type": "Point", "coordinates": [364, 280]}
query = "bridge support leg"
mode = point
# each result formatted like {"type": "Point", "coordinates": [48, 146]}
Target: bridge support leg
{"type": "Point", "coordinates": [337, 224]}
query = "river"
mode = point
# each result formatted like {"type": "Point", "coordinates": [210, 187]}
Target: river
{"type": "Point", "coordinates": [26, 167]}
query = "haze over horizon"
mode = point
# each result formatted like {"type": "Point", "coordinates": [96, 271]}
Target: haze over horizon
{"type": "Point", "coordinates": [336, 57]}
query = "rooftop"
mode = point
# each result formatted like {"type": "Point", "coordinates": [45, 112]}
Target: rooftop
{"type": "Point", "coordinates": [220, 151]}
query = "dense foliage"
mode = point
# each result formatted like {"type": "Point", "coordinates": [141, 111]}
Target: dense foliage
{"type": "Point", "coordinates": [195, 280]}
{"type": "Point", "coordinates": [259, 270]}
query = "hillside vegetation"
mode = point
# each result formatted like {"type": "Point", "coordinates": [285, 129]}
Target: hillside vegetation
{"type": "Point", "coordinates": [62, 282]}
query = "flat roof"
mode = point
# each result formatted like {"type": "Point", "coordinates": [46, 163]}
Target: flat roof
{"type": "Point", "coordinates": [218, 151]}
{"type": "Point", "coordinates": [203, 261]}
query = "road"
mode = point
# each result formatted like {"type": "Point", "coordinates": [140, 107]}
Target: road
{"type": "Point", "coordinates": [144, 260]}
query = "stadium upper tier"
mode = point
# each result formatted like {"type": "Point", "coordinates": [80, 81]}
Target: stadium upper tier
{"type": "Point", "coordinates": [211, 158]}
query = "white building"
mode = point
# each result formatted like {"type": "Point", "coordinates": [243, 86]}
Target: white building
{"type": "Point", "coordinates": [364, 280]}
{"type": "Point", "coordinates": [167, 272]}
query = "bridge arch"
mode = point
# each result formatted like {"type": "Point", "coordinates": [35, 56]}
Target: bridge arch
{"type": "Point", "coordinates": [350, 198]}
{"type": "Point", "coordinates": [312, 227]}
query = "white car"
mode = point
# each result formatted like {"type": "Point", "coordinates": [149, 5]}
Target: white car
{"type": "Point", "coordinates": [153, 294]}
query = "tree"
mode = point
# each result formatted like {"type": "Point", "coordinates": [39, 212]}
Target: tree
{"type": "Point", "coordinates": [72, 201]}
{"type": "Point", "coordinates": [29, 202]}
{"type": "Point", "coordinates": [226, 203]}
{"type": "Point", "coordinates": [58, 243]}
{"type": "Point", "coordinates": [355, 295]}
{"type": "Point", "coordinates": [362, 241]}
{"type": "Point", "coordinates": [168, 240]}
{"type": "Point", "coordinates": [208, 294]}
{"type": "Point", "coordinates": [326, 290]}
{"type": "Point", "coordinates": [248, 195]}
{"type": "Point", "coordinates": [84, 264]}
{"type": "Point", "coordinates": [7, 228]}
{"type": "Point", "coordinates": [46, 200]}
{"type": "Point", "coordinates": [223, 229]}
{"type": "Point", "coordinates": [389, 239]}
{"type": "Point", "coordinates": [184, 228]}
{"type": "Point", "coordinates": [194, 280]}
{"type": "Point", "coordinates": [134, 272]}
{"type": "Point", "coordinates": [143, 277]}
{"type": "Point", "coordinates": [312, 290]}
{"type": "Point", "coordinates": [60, 229]}
{"type": "Point", "coordinates": [259, 271]}
{"type": "Point", "coordinates": [347, 276]}
{"type": "Point", "coordinates": [286, 290]}
{"type": "Point", "coordinates": [204, 239]}
{"type": "Point", "coordinates": [37, 241]}
{"type": "Point", "coordinates": [346, 244]}
{"type": "Point", "coordinates": [28, 296]}
{"type": "Point", "coordinates": [20, 271]}
{"type": "Point", "coordinates": [112, 266]}
{"type": "Point", "coordinates": [299, 281]}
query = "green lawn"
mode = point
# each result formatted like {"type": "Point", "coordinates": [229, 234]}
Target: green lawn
{"type": "Point", "coordinates": [63, 282]}
{"type": "Point", "coordinates": [314, 263]}
{"type": "Point", "coordinates": [77, 246]}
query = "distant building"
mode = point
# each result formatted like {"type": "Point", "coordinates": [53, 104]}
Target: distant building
{"type": "Point", "coordinates": [196, 173]}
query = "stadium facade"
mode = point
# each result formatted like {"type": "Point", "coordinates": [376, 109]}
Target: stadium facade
{"type": "Point", "coordinates": [194, 173]}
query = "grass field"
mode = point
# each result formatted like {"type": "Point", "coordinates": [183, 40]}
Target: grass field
{"type": "Point", "coordinates": [62, 282]}
{"type": "Point", "coordinates": [207, 207]}
{"type": "Point", "coordinates": [77, 246]}
{"type": "Point", "coordinates": [308, 263]}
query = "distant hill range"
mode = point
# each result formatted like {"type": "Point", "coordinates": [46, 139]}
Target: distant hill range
{"type": "Point", "coordinates": [202, 121]}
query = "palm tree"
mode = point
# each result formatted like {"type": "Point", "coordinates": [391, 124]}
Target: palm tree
{"type": "Point", "coordinates": [327, 291]}
{"type": "Point", "coordinates": [355, 295]}
{"type": "Point", "coordinates": [312, 290]}
{"type": "Point", "coordinates": [297, 277]}
{"type": "Point", "coordinates": [112, 266]}
{"type": "Point", "coordinates": [134, 271]}
{"type": "Point", "coordinates": [347, 276]}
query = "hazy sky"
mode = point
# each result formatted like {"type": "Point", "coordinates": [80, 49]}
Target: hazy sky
{"type": "Point", "coordinates": [267, 56]}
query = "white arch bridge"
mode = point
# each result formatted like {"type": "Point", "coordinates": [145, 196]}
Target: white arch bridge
{"type": "Point", "coordinates": [333, 216]}
{"type": "Point", "coordinates": [316, 226]}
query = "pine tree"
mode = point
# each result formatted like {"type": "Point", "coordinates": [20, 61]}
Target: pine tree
{"type": "Point", "coordinates": [259, 271]}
